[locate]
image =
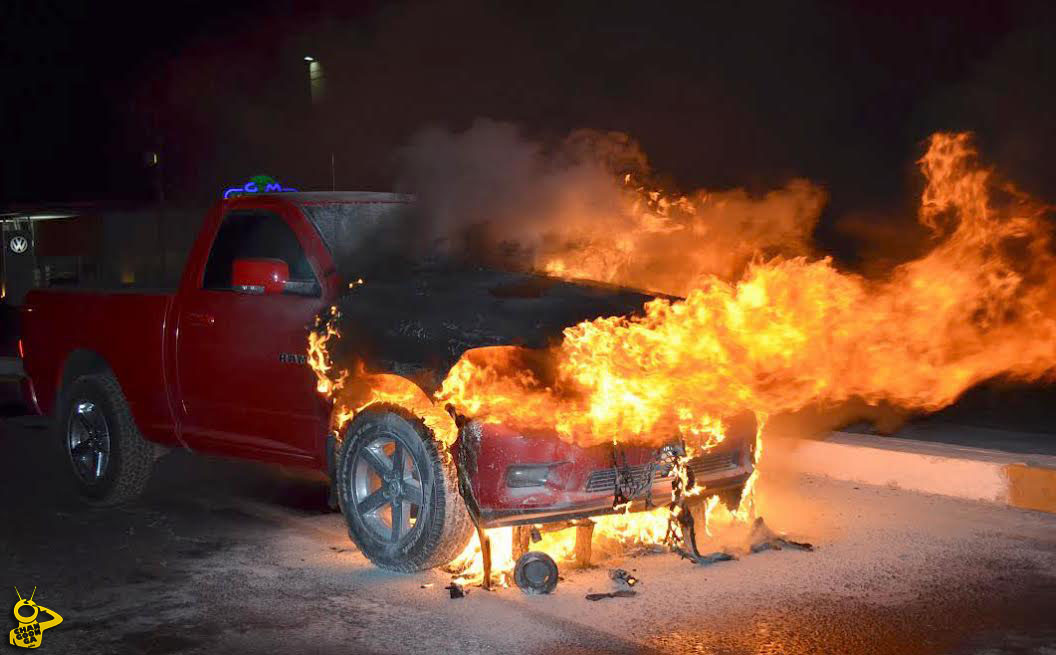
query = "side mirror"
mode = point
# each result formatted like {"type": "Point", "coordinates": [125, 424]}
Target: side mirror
{"type": "Point", "coordinates": [265, 276]}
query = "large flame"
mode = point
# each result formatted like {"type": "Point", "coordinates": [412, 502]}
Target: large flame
{"type": "Point", "coordinates": [788, 333]}
{"type": "Point", "coordinates": [794, 332]}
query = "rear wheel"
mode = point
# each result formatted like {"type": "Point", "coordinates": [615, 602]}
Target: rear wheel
{"type": "Point", "coordinates": [399, 494]}
{"type": "Point", "coordinates": [110, 461]}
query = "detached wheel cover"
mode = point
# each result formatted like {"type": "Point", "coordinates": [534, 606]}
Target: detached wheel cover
{"type": "Point", "coordinates": [536, 573]}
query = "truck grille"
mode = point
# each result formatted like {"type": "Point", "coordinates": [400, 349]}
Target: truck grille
{"type": "Point", "coordinates": [605, 479]}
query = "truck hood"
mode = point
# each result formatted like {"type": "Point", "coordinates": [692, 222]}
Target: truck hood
{"type": "Point", "coordinates": [422, 324]}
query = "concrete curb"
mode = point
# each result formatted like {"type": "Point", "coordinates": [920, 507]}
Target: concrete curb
{"type": "Point", "coordinates": [1023, 481]}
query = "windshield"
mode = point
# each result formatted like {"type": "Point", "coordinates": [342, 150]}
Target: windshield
{"type": "Point", "coordinates": [381, 235]}
{"type": "Point", "coordinates": [368, 234]}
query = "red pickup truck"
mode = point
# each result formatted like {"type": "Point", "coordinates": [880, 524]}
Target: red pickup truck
{"type": "Point", "coordinates": [218, 365]}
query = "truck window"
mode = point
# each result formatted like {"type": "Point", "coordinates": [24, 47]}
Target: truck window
{"type": "Point", "coordinates": [257, 234]}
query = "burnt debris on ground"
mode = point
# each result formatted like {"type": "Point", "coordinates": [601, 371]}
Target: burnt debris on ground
{"type": "Point", "coordinates": [622, 593]}
{"type": "Point", "coordinates": [763, 538]}
{"type": "Point", "coordinates": [619, 575]}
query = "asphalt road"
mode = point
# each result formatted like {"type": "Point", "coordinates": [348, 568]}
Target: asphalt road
{"type": "Point", "coordinates": [226, 557]}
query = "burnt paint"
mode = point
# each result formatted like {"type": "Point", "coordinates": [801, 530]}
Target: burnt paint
{"type": "Point", "coordinates": [423, 322]}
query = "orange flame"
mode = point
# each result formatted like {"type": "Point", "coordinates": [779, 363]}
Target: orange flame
{"type": "Point", "coordinates": [789, 333]}
{"type": "Point", "coordinates": [319, 357]}
{"type": "Point", "coordinates": [793, 332]}
{"type": "Point", "coordinates": [366, 389]}
{"type": "Point", "coordinates": [675, 244]}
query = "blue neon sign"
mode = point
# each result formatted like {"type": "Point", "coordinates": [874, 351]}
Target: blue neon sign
{"type": "Point", "coordinates": [259, 184]}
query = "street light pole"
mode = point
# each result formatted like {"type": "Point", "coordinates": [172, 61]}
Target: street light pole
{"type": "Point", "coordinates": [316, 90]}
{"type": "Point", "coordinates": [316, 79]}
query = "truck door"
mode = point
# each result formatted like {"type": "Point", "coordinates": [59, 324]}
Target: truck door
{"type": "Point", "coordinates": [243, 380]}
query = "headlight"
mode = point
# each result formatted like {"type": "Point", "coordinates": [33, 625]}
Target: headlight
{"type": "Point", "coordinates": [534, 475]}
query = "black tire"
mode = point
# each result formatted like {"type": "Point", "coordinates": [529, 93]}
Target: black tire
{"type": "Point", "coordinates": [130, 457]}
{"type": "Point", "coordinates": [442, 527]}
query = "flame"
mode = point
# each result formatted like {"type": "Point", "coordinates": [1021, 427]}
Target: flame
{"type": "Point", "coordinates": [366, 389]}
{"type": "Point", "coordinates": [794, 332]}
{"type": "Point", "coordinates": [786, 333]}
{"type": "Point", "coordinates": [319, 357]}
{"type": "Point", "coordinates": [468, 567]}
{"type": "Point", "coordinates": [613, 534]}
{"type": "Point", "coordinates": [650, 240]}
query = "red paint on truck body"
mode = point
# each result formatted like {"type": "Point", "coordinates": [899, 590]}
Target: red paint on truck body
{"type": "Point", "coordinates": [211, 370]}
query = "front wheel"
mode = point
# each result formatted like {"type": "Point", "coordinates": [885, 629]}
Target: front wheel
{"type": "Point", "coordinates": [399, 494]}
{"type": "Point", "coordinates": [110, 460]}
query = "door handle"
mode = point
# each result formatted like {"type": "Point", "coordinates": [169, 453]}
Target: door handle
{"type": "Point", "coordinates": [199, 319]}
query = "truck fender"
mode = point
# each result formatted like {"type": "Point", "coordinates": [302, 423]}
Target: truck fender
{"type": "Point", "coordinates": [82, 362]}
{"type": "Point", "coordinates": [79, 362]}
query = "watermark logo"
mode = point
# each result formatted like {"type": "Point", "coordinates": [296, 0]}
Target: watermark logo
{"type": "Point", "coordinates": [29, 632]}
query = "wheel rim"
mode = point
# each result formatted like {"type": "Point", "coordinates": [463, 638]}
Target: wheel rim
{"type": "Point", "coordinates": [387, 493]}
{"type": "Point", "coordinates": [88, 441]}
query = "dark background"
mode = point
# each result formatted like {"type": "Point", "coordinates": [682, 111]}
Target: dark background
{"type": "Point", "coordinates": [718, 95]}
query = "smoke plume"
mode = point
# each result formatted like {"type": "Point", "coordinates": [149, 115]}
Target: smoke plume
{"type": "Point", "coordinates": [589, 207]}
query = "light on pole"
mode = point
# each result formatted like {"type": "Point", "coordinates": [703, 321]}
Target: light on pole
{"type": "Point", "coordinates": [316, 79]}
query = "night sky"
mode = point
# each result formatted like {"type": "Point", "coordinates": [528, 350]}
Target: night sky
{"type": "Point", "coordinates": [718, 95]}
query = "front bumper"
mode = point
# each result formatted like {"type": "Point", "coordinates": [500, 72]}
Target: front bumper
{"type": "Point", "coordinates": [582, 480]}
{"type": "Point", "coordinates": [497, 518]}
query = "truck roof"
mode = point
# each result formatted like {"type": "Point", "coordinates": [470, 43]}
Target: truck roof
{"type": "Point", "coordinates": [336, 197]}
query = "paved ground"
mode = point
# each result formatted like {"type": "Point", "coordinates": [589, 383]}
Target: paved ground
{"type": "Point", "coordinates": [223, 557]}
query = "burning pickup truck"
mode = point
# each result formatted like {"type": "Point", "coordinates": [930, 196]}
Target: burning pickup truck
{"type": "Point", "coordinates": [218, 365]}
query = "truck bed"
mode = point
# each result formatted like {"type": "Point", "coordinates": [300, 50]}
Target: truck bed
{"type": "Point", "coordinates": [124, 327]}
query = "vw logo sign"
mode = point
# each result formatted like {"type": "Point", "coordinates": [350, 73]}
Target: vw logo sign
{"type": "Point", "coordinates": [19, 244]}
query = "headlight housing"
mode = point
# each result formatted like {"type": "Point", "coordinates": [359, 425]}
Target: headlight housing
{"type": "Point", "coordinates": [528, 475]}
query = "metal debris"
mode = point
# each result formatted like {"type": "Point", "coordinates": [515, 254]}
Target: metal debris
{"type": "Point", "coordinates": [763, 538]}
{"type": "Point", "coordinates": [466, 461]}
{"type": "Point", "coordinates": [681, 531]}
{"type": "Point", "coordinates": [536, 573]}
{"type": "Point", "coordinates": [777, 543]}
{"type": "Point", "coordinates": [705, 560]}
{"type": "Point", "coordinates": [619, 575]}
{"type": "Point", "coordinates": [623, 593]}
{"type": "Point", "coordinates": [457, 590]}
{"type": "Point", "coordinates": [636, 483]}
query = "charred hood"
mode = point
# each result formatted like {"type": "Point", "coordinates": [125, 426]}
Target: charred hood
{"type": "Point", "coordinates": [419, 325]}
